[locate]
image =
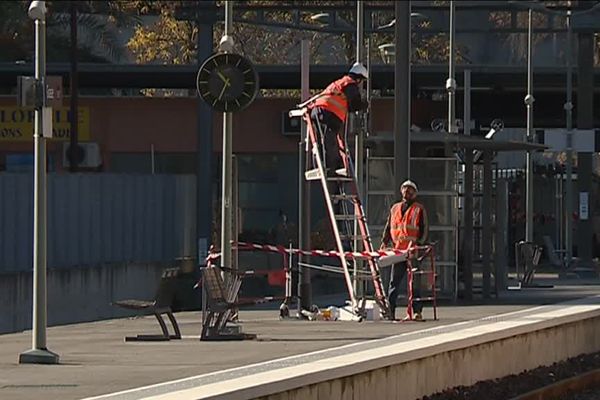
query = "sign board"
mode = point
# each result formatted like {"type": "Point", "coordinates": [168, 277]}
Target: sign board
{"type": "Point", "coordinates": [29, 92]}
{"type": "Point", "coordinates": [16, 124]}
{"type": "Point", "coordinates": [47, 122]}
{"type": "Point", "coordinates": [584, 202]}
{"type": "Point", "coordinates": [54, 91]}
{"type": "Point", "coordinates": [583, 140]}
{"type": "Point", "coordinates": [26, 91]}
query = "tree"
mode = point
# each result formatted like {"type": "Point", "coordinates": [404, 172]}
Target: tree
{"type": "Point", "coordinates": [97, 21]}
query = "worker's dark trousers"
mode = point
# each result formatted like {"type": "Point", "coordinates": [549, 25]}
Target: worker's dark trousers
{"type": "Point", "coordinates": [328, 127]}
{"type": "Point", "coordinates": [396, 276]}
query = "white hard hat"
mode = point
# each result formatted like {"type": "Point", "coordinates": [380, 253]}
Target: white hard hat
{"type": "Point", "coordinates": [409, 183]}
{"type": "Point", "coordinates": [359, 69]}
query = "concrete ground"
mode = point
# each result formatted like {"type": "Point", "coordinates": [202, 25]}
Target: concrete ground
{"type": "Point", "coordinates": [94, 359]}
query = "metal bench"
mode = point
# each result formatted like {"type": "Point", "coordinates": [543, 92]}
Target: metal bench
{"type": "Point", "coordinates": [159, 306]}
{"type": "Point", "coordinates": [220, 303]}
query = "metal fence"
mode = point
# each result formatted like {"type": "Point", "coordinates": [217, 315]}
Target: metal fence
{"type": "Point", "coordinates": [99, 218]}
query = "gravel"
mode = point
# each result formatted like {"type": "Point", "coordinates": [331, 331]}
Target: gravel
{"type": "Point", "coordinates": [593, 394]}
{"type": "Point", "coordinates": [515, 385]}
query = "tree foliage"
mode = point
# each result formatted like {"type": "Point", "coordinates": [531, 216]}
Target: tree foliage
{"type": "Point", "coordinates": [97, 21]}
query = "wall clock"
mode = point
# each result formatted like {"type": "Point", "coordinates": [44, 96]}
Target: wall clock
{"type": "Point", "coordinates": [227, 82]}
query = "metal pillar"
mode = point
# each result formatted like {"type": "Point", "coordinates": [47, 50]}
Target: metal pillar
{"type": "Point", "coordinates": [569, 170]}
{"type": "Point", "coordinates": [304, 159]}
{"type": "Point", "coordinates": [204, 153]}
{"type": "Point", "coordinates": [227, 156]}
{"type": "Point", "coordinates": [529, 99]}
{"type": "Point", "coordinates": [401, 94]}
{"type": "Point", "coordinates": [451, 82]}
{"type": "Point", "coordinates": [486, 216]}
{"type": "Point", "coordinates": [501, 242]}
{"type": "Point", "coordinates": [585, 120]}
{"type": "Point", "coordinates": [467, 103]}
{"type": "Point", "coordinates": [359, 143]}
{"type": "Point", "coordinates": [39, 354]}
{"type": "Point", "coordinates": [467, 241]}
{"type": "Point", "coordinates": [74, 154]}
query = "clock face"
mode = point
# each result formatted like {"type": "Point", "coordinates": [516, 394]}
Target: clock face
{"type": "Point", "coordinates": [227, 82]}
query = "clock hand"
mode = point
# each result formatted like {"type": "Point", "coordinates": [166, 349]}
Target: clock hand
{"type": "Point", "coordinates": [225, 86]}
{"type": "Point", "coordinates": [223, 78]}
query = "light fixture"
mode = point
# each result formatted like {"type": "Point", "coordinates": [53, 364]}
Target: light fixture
{"type": "Point", "coordinates": [37, 10]}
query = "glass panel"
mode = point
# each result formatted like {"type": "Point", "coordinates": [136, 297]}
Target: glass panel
{"type": "Point", "coordinates": [378, 209]}
{"type": "Point", "coordinates": [445, 248]}
{"type": "Point", "coordinates": [432, 174]}
{"type": "Point", "coordinates": [381, 175]}
{"type": "Point", "coordinates": [429, 174]}
{"type": "Point", "coordinates": [441, 210]}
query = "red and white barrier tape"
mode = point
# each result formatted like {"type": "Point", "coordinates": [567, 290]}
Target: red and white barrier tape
{"type": "Point", "coordinates": [319, 253]}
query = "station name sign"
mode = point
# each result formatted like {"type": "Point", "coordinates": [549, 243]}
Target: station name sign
{"type": "Point", "coordinates": [16, 124]}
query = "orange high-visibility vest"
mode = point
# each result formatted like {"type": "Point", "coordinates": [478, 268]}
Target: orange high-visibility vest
{"type": "Point", "coordinates": [333, 98]}
{"type": "Point", "coordinates": [404, 228]}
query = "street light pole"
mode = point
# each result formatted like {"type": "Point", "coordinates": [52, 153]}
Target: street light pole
{"type": "Point", "coordinates": [226, 45]}
{"type": "Point", "coordinates": [39, 354]}
{"type": "Point", "coordinates": [529, 99]}
{"type": "Point", "coordinates": [569, 170]}
{"type": "Point", "coordinates": [451, 82]}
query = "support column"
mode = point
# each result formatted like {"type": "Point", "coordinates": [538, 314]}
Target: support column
{"type": "Point", "coordinates": [304, 159]}
{"type": "Point", "coordinates": [401, 94]}
{"type": "Point", "coordinates": [486, 215]}
{"type": "Point", "coordinates": [467, 242]}
{"type": "Point", "coordinates": [204, 153]}
{"type": "Point", "coordinates": [585, 120]}
{"type": "Point", "coordinates": [501, 242]}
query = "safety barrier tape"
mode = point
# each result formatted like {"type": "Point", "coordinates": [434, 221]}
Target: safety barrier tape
{"type": "Point", "coordinates": [319, 253]}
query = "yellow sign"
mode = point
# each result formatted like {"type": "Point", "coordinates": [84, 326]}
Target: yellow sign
{"type": "Point", "coordinates": [16, 124]}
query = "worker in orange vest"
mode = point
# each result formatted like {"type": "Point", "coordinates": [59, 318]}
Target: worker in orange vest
{"type": "Point", "coordinates": [407, 224]}
{"type": "Point", "coordinates": [329, 112]}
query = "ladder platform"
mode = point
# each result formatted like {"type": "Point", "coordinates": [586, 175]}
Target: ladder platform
{"type": "Point", "coordinates": [315, 174]}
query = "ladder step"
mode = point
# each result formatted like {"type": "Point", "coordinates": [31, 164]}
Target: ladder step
{"type": "Point", "coordinates": [347, 217]}
{"type": "Point", "coordinates": [344, 197]}
{"type": "Point", "coordinates": [420, 272]}
{"type": "Point", "coordinates": [312, 175]}
{"type": "Point", "coordinates": [315, 174]}
{"type": "Point", "coordinates": [340, 178]}
{"type": "Point", "coordinates": [352, 237]}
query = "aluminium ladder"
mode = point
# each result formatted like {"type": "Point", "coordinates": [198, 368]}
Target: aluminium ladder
{"type": "Point", "coordinates": [347, 199]}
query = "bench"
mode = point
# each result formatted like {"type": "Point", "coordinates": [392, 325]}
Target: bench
{"type": "Point", "coordinates": [160, 306]}
{"type": "Point", "coordinates": [221, 296]}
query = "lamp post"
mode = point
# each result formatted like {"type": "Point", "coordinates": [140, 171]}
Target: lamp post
{"type": "Point", "coordinates": [39, 354]}
{"type": "Point", "coordinates": [569, 170]}
{"type": "Point", "coordinates": [226, 45]}
{"type": "Point", "coordinates": [529, 99]}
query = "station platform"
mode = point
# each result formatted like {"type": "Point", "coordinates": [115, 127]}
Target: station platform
{"type": "Point", "coordinates": [95, 361]}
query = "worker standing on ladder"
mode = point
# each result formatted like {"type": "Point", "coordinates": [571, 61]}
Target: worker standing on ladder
{"type": "Point", "coordinates": [329, 112]}
{"type": "Point", "coordinates": [406, 224]}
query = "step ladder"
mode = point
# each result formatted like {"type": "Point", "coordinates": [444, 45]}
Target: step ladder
{"type": "Point", "coordinates": [344, 208]}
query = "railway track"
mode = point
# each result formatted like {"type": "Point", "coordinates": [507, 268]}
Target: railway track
{"type": "Point", "coordinates": [566, 388]}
